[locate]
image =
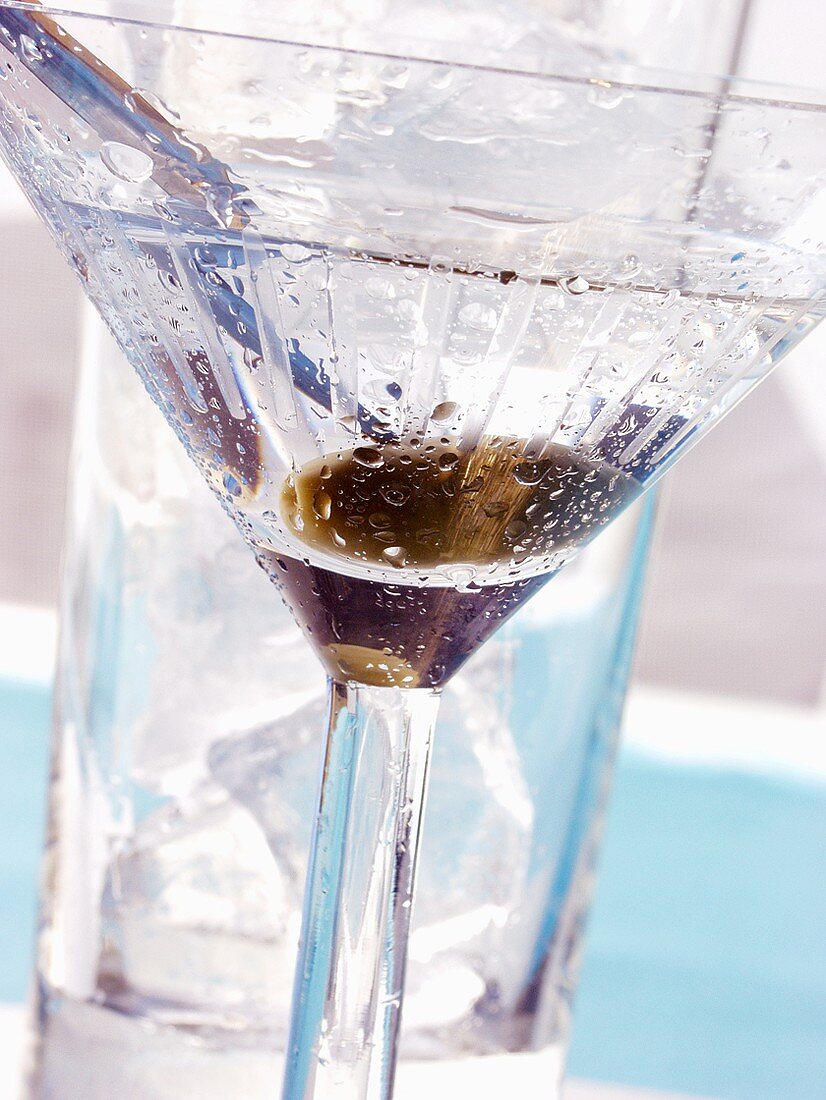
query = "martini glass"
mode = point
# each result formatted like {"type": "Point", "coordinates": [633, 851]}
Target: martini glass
{"type": "Point", "coordinates": [426, 326]}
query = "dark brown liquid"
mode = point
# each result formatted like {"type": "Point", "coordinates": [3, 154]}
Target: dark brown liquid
{"type": "Point", "coordinates": [490, 522]}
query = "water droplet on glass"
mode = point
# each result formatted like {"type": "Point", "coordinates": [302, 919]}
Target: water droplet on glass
{"type": "Point", "coordinates": [252, 360]}
{"type": "Point", "coordinates": [576, 284]}
{"type": "Point", "coordinates": [474, 486]}
{"type": "Point", "coordinates": [496, 509]}
{"type": "Point", "coordinates": [163, 211]}
{"type": "Point", "coordinates": [368, 456]}
{"type": "Point", "coordinates": [440, 265]}
{"type": "Point", "coordinates": [396, 555]}
{"type": "Point", "coordinates": [221, 202]}
{"type": "Point", "coordinates": [397, 495]}
{"type": "Point", "coordinates": [325, 472]}
{"type": "Point", "coordinates": [528, 473]}
{"type": "Point", "coordinates": [232, 485]}
{"type": "Point", "coordinates": [461, 575]}
{"type": "Point", "coordinates": [441, 77]}
{"type": "Point", "coordinates": [154, 101]}
{"type": "Point", "coordinates": [205, 258]}
{"type": "Point", "coordinates": [395, 74]}
{"type": "Point", "coordinates": [642, 337]}
{"type": "Point", "coordinates": [295, 253]}
{"type": "Point", "coordinates": [606, 95]}
{"type": "Point", "coordinates": [478, 316]}
{"type": "Point", "coordinates": [448, 461]}
{"type": "Point", "coordinates": [125, 162]}
{"type": "Point", "coordinates": [444, 411]}
{"type": "Point", "coordinates": [380, 289]}
{"type": "Point", "coordinates": [630, 266]}
{"type": "Point", "coordinates": [30, 49]}
{"type": "Point", "coordinates": [322, 504]}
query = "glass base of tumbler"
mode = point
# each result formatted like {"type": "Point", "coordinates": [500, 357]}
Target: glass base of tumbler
{"type": "Point", "coordinates": [91, 1052]}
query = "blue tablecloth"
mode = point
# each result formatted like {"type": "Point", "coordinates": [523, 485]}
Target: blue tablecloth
{"type": "Point", "coordinates": [705, 969]}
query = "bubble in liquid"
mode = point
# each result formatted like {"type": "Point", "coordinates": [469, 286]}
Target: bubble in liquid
{"type": "Point", "coordinates": [125, 162]}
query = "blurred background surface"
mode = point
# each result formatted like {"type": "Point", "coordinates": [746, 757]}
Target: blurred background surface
{"type": "Point", "coordinates": [705, 970]}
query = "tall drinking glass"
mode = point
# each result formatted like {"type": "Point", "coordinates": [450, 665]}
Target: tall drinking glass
{"type": "Point", "coordinates": [184, 782]}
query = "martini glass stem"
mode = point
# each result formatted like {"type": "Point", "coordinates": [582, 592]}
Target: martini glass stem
{"type": "Point", "coordinates": [358, 898]}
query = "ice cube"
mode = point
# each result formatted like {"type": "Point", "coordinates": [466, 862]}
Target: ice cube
{"type": "Point", "coordinates": [200, 918]}
{"type": "Point", "coordinates": [274, 771]}
{"type": "Point", "coordinates": [225, 652]}
{"type": "Point", "coordinates": [474, 859]}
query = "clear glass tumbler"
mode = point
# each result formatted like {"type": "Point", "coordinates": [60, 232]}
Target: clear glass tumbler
{"type": "Point", "coordinates": [184, 783]}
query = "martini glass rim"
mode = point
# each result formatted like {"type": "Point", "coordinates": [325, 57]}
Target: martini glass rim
{"type": "Point", "coordinates": [609, 75]}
